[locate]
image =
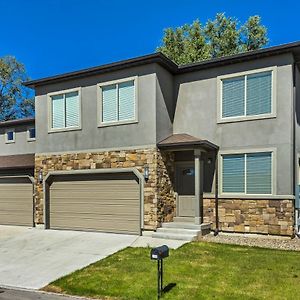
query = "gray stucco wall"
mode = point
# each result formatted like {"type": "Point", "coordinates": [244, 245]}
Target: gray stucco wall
{"type": "Point", "coordinates": [21, 144]}
{"type": "Point", "coordinates": [196, 114]}
{"type": "Point", "coordinates": [165, 103]}
{"type": "Point", "coordinates": [189, 101]}
{"type": "Point", "coordinates": [90, 136]}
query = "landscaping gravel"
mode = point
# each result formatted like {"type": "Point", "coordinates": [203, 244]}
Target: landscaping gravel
{"type": "Point", "coordinates": [254, 240]}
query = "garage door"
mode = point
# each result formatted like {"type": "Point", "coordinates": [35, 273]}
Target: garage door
{"type": "Point", "coordinates": [16, 201]}
{"type": "Point", "coordinates": [95, 202]}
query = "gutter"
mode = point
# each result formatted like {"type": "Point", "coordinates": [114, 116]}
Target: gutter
{"type": "Point", "coordinates": [158, 58]}
{"type": "Point", "coordinates": [165, 62]}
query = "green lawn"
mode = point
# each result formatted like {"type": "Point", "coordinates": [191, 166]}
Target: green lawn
{"type": "Point", "coordinates": [200, 271]}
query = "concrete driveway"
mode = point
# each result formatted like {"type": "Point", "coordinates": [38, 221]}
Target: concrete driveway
{"type": "Point", "coordinates": [6, 294]}
{"type": "Point", "coordinates": [33, 257]}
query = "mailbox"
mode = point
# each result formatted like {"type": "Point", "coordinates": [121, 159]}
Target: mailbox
{"type": "Point", "coordinates": [159, 253]}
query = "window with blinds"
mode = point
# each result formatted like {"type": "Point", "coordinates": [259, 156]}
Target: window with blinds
{"type": "Point", "coordinates": [65, 110]}
{"type": "Point", "coordinates": [247, 95]}
{"type": "Point", "coordinates": [118, 102]}
{"type": "Point", "coordinates": [249, 173]}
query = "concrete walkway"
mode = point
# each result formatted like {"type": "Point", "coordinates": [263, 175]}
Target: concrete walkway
{"type": "Point", "coordinates": [32, 258]}
{"type": "Point", "coordinates": [148, 241]}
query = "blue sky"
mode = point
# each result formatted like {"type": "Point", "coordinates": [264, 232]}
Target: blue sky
{"type": "Point", "coordinates": [56, 36]}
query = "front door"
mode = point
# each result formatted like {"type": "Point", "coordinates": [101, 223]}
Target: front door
{"type": "Point", "coordinates": [185, 186]}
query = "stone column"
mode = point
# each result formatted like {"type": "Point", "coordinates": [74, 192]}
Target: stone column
{"type": "Point", "coordinates": [198, 187]}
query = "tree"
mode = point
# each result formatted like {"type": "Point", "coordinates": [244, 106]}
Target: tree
{"type": "Point", "coordinates": [174, 44]}
{"type": "Point", "coordinates": [222, 36]}
{"type": "Point", "coordinates": [16, 101]}
{"type": "Point", "coordinates": [195, 48]}
{"type": "Point", "coordinates": [253, 34]}
{"type": "Point", "coordinates": [219, 37]}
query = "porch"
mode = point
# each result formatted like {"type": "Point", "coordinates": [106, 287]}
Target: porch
{"type": "Point", "coordinates": [195, 162]}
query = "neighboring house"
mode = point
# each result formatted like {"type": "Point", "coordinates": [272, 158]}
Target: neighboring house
{"type": "Point", "coordinates": [17, 139]}
{"type": "Point", "coordinates": [127, 146]}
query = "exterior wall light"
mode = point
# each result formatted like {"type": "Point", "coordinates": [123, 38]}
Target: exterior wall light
{"type": "Point", "coordinates": [146, 173]}
{"type": "Point", "coordinates": [40, 176]}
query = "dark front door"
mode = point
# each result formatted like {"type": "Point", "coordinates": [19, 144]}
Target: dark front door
{"type": "Point", "coordinates": [185, 186]}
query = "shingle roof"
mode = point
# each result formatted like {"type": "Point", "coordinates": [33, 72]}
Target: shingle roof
{"type": "Point", "coordinates": [179, 138]}
{"type": "Point", "coordinates": [17, 161]}
{"type": "Point", "coordinates": [17, 122]}
{"type": "Point", "coordinates": [183, 140]}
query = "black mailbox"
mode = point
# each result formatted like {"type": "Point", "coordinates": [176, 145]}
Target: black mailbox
{"type": "Point", "coordinates": [159, 253]}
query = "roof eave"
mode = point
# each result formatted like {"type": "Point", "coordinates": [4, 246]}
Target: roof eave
{"type": "Point", "coordinates": [188, 145]}
{"type": "Point", "coordinates": [20, 167]}
{"type": "Point", "coordinates": [142, 60]}
{"type": "Point", "coordinates": [168, 64]}
{"type": "Point", "coordinates": [17, 122]}
{"type": "Point", "coordinates": [240, 57]}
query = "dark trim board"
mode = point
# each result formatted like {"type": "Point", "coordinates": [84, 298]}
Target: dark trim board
{"type": "Point", "coordinates": [17, 172]}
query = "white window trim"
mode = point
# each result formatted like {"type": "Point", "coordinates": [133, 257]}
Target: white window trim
{"type": "Point", "coordinates": [49, 95]}
{"type": "Point", "coordinates": [29, 139]}
{"type": "Point", "coordinates": [99, 102]}
{"type": "Point", "coordinates": [220, 79]}
{"type": "Point", "coordinates": [248, 151]}
{"type": "Point", "coordinates": [14, 136]}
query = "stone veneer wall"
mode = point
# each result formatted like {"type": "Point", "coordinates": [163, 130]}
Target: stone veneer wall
{"type": "Point", "coordinates": [165, 187]}
{"type": "Point", "coordinates": [252, 216]}
{"type": "Point", "coordinates": [159, 197]}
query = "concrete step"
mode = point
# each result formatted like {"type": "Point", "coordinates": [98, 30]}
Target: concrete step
{"type": "Point", "coordinates": [175, 236]}
{"type": "Point", "coordinates": [181, 231]}
{"type": "Point", "coordinates": [184, 219]}
{"type": "Point", "coordinates": [178, 230]}
{"type": "Point", "coordinates": [184, 225]}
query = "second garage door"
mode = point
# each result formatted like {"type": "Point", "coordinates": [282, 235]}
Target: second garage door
{"type": "Point", "coordinates": [87, 202]}
{"type": "Point", "coordinates": [16, 201]}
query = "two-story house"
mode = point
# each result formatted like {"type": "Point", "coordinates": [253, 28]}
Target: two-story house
{"type": "Point", "coordinates": [133, 145]}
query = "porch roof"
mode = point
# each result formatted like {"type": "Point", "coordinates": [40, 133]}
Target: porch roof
{"type": "Point", "coordinates": [183, 141]}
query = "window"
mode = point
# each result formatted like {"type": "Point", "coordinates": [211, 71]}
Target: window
{"type": "Point", "coordinates": [188, 172]}
{"type": "Point", "coordinates": [246, 96]}
{"type": "Point", "coordinates": [31, 134]}
{"type": "Point", "coordinates": [65, 111]}
{"type": "Point", "coordinates": [249, 173]}
{"type": "Point", "coordinates": [118, 103]}
{"type": "Point", "coordinates": [10, 136]}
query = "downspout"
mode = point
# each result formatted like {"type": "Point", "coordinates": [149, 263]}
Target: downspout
{"type": "Point", "coordinates": [217, 196]}
{"type": "Point", "coordinates": [295, 187]}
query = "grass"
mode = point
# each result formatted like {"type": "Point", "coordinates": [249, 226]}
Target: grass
{"type": "Point", "coordinates": [199, 270]}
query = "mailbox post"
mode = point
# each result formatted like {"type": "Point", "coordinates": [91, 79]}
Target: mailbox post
{"type": "Point", "coordinates": [159, 253]}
